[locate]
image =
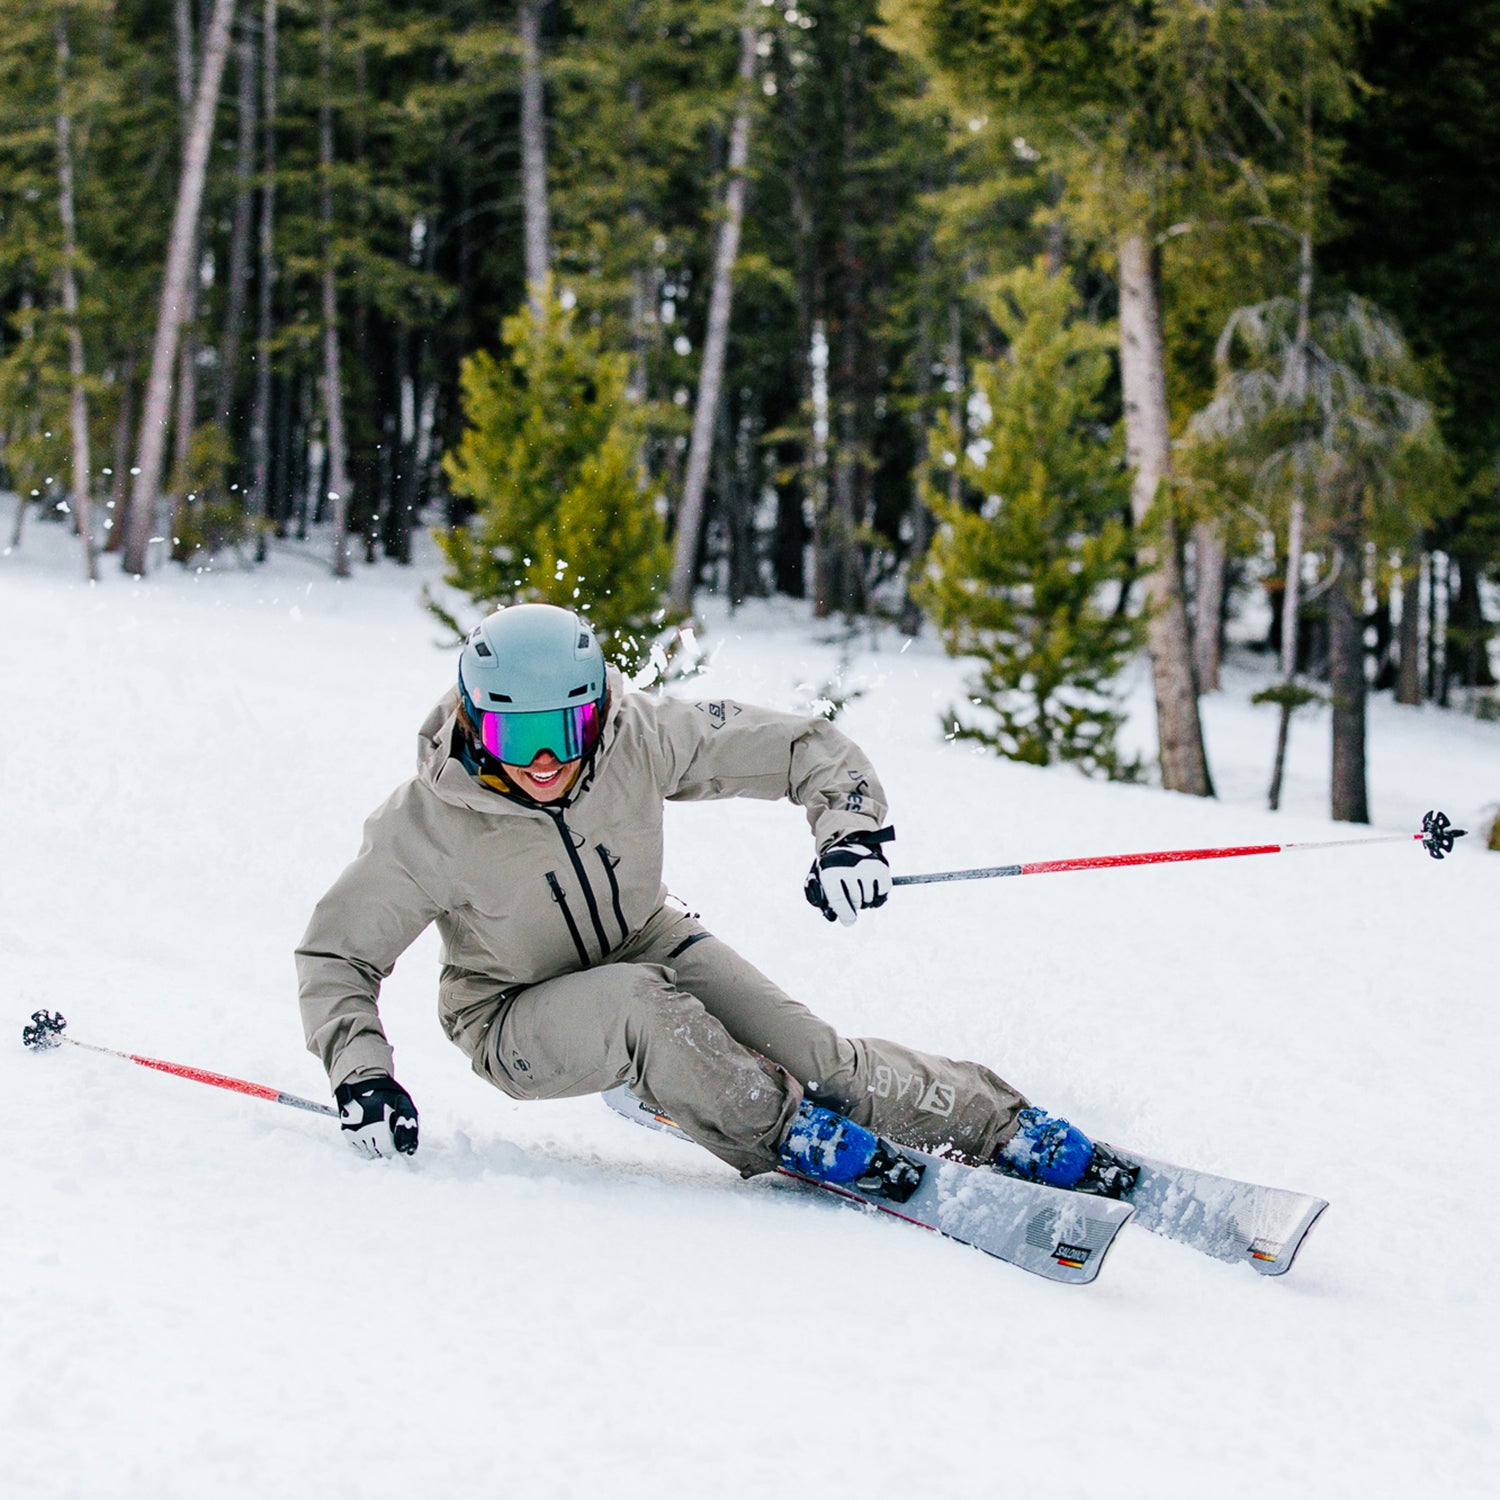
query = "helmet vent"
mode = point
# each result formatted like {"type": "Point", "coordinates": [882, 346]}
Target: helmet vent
{"type": "Point", "coordinates": [579, 691]}
{"type": "Point", "coordinates": [482, 649]}
{"type": "Point", "coordinates": [501, 698]}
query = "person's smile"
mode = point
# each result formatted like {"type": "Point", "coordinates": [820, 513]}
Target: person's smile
{"type": "Point", "coordinates": [546, 779]}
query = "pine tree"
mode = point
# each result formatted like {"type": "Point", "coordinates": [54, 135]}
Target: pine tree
{"type": "Point", "coordinates": [1032, 583]}
{"type": "Point", "coordinates": [549, 456]}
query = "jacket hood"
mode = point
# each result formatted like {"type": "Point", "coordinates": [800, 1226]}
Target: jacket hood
{"type": "Point", "coordinates": [443, 773]}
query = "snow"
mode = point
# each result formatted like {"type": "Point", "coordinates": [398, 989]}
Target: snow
{"type": "Point", "coordinates": [201, 1293]}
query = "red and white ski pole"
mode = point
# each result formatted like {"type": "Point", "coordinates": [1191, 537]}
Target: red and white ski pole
{"type": "Point", "coordinates": [1436, 837]}
{"type": "Point", "coordinates": [46, 1030]}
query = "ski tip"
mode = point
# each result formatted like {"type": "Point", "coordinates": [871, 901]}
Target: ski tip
{"type": "Point", "coordinates": [1276, 1257]}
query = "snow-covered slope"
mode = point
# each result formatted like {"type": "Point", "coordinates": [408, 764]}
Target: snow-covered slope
{"type": "Point", "coordinates": [205, 1295]}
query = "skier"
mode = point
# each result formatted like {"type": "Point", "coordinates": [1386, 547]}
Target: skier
{"type": "Point", "coordinates": [532, 836]}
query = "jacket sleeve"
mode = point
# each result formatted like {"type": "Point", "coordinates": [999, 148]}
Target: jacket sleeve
{"type": "Point", "coordinates": [372, 913]}
{"type": "Point", "coordinates": [729, 749]}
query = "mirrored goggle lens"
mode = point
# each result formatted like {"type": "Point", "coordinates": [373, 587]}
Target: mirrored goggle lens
{"type": "Point", "coordinates": [517, 739]}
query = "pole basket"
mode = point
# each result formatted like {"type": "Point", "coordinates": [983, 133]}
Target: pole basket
{"type": "Point", "coordinates": [1438, 834]}
{"type": "Point", "coordinates": [46, 1030]}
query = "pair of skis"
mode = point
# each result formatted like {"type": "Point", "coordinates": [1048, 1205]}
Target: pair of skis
{"type": "Point", "coordinates": [1065, 1236]}
{"type": "Point", "coordinates": [1060, 1235]}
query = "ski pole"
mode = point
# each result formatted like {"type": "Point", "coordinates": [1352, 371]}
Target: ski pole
{"type": "Point", "coordinates": [46, 1031]}
{"type": "Point", "coordinates": [1436, 837]}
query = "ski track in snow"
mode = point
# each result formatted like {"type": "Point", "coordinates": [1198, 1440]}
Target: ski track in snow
{"type": "Point", "coordinates": [203, 1294]}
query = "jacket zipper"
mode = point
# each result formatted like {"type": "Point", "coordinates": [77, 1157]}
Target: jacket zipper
{"type": "Point", "coordinates": [560, 896]}
{"type": "Point", "coordinates": [609, 861]}
{"type": "Point", "coordinates": [583, 880]}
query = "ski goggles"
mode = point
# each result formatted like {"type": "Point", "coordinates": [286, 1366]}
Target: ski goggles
{"type": "Point", "coordinates": [517, 739]}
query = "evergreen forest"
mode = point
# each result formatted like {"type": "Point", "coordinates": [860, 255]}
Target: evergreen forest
{"type": "Point", "coordinates": [1058, 328]}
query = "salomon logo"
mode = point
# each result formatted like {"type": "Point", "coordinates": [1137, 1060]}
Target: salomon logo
{"type": "Point", "coordinates": [1073, 1256]}
{"type": "Point", "coordinates": [719, 713]}
{"type": "Point", "coordinates": [935, 1098]}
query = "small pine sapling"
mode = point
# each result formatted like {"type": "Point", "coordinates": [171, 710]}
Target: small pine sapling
{"type": "Point", "coordinates": [548, 455]}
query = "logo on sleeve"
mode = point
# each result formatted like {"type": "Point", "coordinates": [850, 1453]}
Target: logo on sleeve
{"type": "Point", "coordinates": [720, 713]}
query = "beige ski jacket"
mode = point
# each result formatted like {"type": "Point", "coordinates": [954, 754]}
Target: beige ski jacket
{"type": "Point", "coordinates": [522, 893]}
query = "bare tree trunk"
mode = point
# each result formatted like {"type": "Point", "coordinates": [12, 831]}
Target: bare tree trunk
{"type": "Point", "coordinates": [1212, 563]}
{"type": "Point", "coordinates": [78, 412]}
{"type": "Point", "coordinates": [1290, 609]}
{"type": "Point", "coordinates": [957, 395]}
{"type": "Point", "coordinates": [1409, 631]}
{"type": "Point", "coordinates": [538, 227]}
{"type": "Point", "coordinates": [1184, 764]}
{"type": "Point", "coordinates": [333, 381]}
{"type": "Point", "coordinates": [119, 496]}
{"type": "Point", "coordinates": [716, 341]}
{"type": "Point", "coordinates": [922, 523]}
{"type": "Point", "coordinates": [825, 539]}
{"type": "Point", "coordinates": [1346, 673]}
{"type": "Point", "coordinates": [152, 445]}
{"type": "Point", "coordinates": [260, 419]}
{"type": "Point", "coordinates": [187, 373]}
{"type": "Point", "coordinates": [244, 212]}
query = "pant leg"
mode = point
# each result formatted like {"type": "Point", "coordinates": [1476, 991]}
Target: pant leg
{"type": "Point", "coordinates": [916, 1098]}
{"type": "Point", "coordinates": [629, 1023]}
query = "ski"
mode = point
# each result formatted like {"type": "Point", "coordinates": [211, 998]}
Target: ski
{"type": "Point", "coordinates": [1221, 1217]}
{"type": "Point", "coordinates": [1059, 1235]}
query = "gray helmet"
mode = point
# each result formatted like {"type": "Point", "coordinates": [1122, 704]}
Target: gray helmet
{"type": "Point", "coordinates": [532, 678]}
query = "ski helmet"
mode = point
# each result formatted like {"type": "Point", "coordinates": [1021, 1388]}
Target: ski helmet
{"type": "Point", "coordinates": [531, 678]}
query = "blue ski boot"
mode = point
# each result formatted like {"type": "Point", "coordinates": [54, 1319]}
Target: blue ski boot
{"type": "Point", "coordinates": [1047, 1149]}
{"type": "Point", "coordinates": [831, 1148]}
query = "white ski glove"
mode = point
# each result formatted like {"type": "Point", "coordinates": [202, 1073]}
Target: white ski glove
{"type": "Point", "coordinates": [377, 1116]}
{"type": "Point", "coordinates": [850, 876]}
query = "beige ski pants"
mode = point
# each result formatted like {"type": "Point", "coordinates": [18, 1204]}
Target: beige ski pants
{"type": "Point", "coordinates": [700, 1033]}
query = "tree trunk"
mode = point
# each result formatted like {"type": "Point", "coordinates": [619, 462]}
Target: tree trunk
{"type": "Point", "coordinates": [78, 412]}
{"type": "Point", "coordinates": [154, 414]}
{"type": "Point", "coordinates": [1291, 607]}
{"type": "Point", "coordinates": [957, 395]}
{"type": "Point", "coordinates": [1468, 631]}
{"type": "Point", "coordinates": [333, 380]}
{"type": "Point", "coordinates": [260, 419]}
{"type": "Point", "coordinates": [119, 489]}
{"type": "Point", "coordinates": [538, 227]}
{"type": "Point", "coordinates": [187, 370]}
{"type": "Point", "coordinates": [244, 213]}
{"type": "Point", "coordinates": [1346, 675]}
{"type": "Point", "coordinates": [922, 524]}
{"type": "Point", "coordinates": [1184, 764]}
{"type": "Point", "coordinates": [825, 548]}
{"type": "Point", "coordinates": [1409, 631]}
{"type": "Point", "coordinates": [1212, 563]}
{"type": "Point", "coordinates": [716, 341]}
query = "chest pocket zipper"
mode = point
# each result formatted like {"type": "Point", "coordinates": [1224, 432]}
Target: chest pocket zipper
{"type": "Point", "coordinates": [609, 861]}
{"type": "Point", "coordinates": [561, 897]}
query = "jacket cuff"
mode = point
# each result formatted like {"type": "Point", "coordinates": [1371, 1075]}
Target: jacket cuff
{"type": "Point", "coordinates": [835, 826]}
{"type": "Point", "coordinates": [365, 1055]}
